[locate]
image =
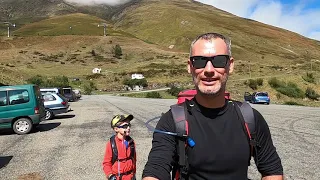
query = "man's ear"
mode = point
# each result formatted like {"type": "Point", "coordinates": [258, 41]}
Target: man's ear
{"type": "Point", "coordinates": [189, 66]}
{"type": "Point", "coordinates": [231, 65]}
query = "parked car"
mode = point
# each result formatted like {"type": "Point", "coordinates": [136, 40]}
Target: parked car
{"type": "Point", "coordinates": [52, 90]}
{"type": "Point", "coordinates": [247, 97]}
{"type": "Point", "coordinates": [69, 94]}
{"type": "Point", "coordinates": [190, 93]}
{"type": "Point", "coordinates": [77, 92]}
{"type": "Point", "coordinates": [257, 97]}
{"type": "Point", "coordinates": [21, 108]}
{"type": "Point", "coordinates": [54, 104]}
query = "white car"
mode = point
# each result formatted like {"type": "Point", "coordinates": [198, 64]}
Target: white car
{"type": "Point", "coordinates": [54, 104]}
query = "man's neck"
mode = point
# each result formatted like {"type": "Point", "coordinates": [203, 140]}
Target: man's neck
{"type": "Point", "coordinates": [211, 101]}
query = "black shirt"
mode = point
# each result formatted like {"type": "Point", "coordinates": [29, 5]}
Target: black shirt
{"type": "Point", "coordinates": [221, 148]}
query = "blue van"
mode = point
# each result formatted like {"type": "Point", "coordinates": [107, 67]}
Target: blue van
{"type": "Point", "coordinates": [21, 108]}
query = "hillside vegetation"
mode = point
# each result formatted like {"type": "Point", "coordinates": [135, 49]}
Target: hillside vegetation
{"type": "Point", "coordinates": [144, 30]}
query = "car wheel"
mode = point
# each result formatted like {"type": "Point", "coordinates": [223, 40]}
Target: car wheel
{"type": "Point", "coordinates": [49, 114]}
{"type": "Point", "coordinates": [22, 126]}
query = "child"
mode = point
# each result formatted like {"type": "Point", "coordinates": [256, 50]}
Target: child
{"type": "Point", "coordinates": [119, 162]}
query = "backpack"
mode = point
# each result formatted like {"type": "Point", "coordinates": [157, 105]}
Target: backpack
{"type": "Point", "coordinates": [115, 153]}
{"type": "Point", "coordinates": [179, 113]}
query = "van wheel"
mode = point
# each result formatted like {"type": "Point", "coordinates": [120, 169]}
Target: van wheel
{"type": "Point", "coordinates": [22, 126]}
{"type": "Point", "coordinates": [49, 114]}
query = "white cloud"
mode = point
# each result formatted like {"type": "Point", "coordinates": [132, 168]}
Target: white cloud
{"type": "Point", "coordinates": [292, 17]}
{"type": "Point", "coordinates": [94, 2]}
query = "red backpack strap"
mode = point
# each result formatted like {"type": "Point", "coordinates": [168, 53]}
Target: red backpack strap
{"type": "Point", "coordinates": [180, 170]}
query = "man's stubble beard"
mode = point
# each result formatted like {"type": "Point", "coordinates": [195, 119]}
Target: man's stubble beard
{"type": "Point", "coordinates": [211, 93]}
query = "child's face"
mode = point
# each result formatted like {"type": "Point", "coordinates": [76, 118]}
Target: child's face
{"type": "Point", "coordinates": [123, 128]}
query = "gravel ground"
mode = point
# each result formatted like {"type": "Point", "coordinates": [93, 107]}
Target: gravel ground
{"type": "Point", "coordinates": [71, 146]}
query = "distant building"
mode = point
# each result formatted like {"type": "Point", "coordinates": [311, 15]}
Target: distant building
{"type": "Point", "coordinates": [137, 76]}
{"type": "Point", "coordinates": [96, 70]}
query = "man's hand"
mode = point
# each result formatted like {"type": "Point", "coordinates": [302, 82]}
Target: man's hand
{"type": "Point", "coordinates": [275, 177]}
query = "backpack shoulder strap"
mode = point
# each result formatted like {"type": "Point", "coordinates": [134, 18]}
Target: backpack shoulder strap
{"type": "Point", "coordinates": [181, 124]}
{"type": "Point", "coordinates": [247, 116]}
{"type": "Point", "coordinates": [132, 148]}
{"type": "Point", "coordinates": [179, 117]}
{"type": "Point", "coordinates": [114, 149]}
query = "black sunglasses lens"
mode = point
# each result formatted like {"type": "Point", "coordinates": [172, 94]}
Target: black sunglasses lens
{"type": "Point", "coordinates": [220, 61]}
{"type": "Point", "coordinates": [125, 126]}
{"type": "Point", "coordinates": [199, 62]}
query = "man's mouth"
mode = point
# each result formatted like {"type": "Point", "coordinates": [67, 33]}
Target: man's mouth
{"type": "Point", "coordinates": [208, 81]}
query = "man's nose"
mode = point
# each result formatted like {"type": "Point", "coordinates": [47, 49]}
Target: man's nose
{"type": "Point", "coordinates": [209, 68]}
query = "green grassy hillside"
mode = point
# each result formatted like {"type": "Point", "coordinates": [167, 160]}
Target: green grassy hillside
{"type": "Point", "coordinates": [144, 30]}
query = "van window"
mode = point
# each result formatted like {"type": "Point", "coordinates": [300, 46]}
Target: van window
{"type": "Point", "coordinates": [3, 98]}
{"type": "Point", "coordinates": [67, 91]}
{"type": "Point", "coordinates": [18, 96]}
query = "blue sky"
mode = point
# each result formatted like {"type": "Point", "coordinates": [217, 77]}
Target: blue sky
{"type": "Point", "coordinates": [300, 16]}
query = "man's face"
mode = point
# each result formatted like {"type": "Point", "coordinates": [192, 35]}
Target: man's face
{"type": "Point", "coordinates": [123, 128]}
{"type": "Point", "coordinates": [210, 80]}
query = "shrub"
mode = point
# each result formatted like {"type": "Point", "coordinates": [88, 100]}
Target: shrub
{"type": "Point", "coordinates": [259, 81]}
{"type": "Point", "coordinates": [153, 94]}
{"type": "Point", "coordinates": [309, 78]}
{"type": "Point", "coordinates": [253, 84]}
{"type": "Point", "coordinates": [293, 103]}
{"type": "Point", "coordinates": [133, 82]}
{"type": "Point", "coordinates": [291, 90]}
{"type": "Point", "coordinates": [278, 95]}
{"type": "Point", "coordinates": [117, 51]}
{"type": "Point", "coordinates": [89, 87]}
{"type": "Point", "coordinates": [38, 80]}
{"type": "Point", "coordinates": [94, 76]}
{"type": "Point", "coordinates": [93, 53]}
{"type": "Point", "coordinates": [56, 81]}
{"type": "Point", "coordinates": [311, 94]}
{"type": "Point", "coordinates": [174, 91]}
{"type": "Point", "coordinates": [275, 83]}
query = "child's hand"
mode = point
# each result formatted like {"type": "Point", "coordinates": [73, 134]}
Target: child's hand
{"type": "Point", "coordinates": [112, 177]}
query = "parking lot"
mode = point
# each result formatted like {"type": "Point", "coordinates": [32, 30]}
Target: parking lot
{"type": "Point", "coordinates": [72, 145]}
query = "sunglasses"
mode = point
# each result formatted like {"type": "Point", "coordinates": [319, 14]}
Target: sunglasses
{"type": "Point", "coordinates": [125, 126]}
{"type": "Point", "coordinates": [219, 61]}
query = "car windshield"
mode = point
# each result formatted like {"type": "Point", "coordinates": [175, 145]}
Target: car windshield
{"type": "Point", "coordinates": [262, 94]}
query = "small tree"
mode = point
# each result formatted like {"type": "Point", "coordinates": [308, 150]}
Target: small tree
{"type": "Point", "coordinates": [117, 51]}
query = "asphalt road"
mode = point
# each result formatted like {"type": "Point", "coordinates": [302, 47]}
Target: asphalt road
{"type": "Point", "coordinates": [72, 146]}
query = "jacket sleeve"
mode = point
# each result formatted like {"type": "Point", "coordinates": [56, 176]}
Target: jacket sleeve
{"type": "Point", "coordinates": [267, 159]}
{"type": "Point", "coordinates": [107, 164]}
{"type": "Point", "coordinates": [135, 159]}
{"type": "Point", "coordinates": [160, 160]}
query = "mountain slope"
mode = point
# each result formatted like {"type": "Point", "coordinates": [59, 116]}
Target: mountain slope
{"type": "Point", "coordinates": [145, 29]}
{"type": "Point", "coordinates": [172, 22]}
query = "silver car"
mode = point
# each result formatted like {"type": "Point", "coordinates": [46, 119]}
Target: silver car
{"type": "Point", "coordinates": [54, 104]}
